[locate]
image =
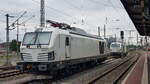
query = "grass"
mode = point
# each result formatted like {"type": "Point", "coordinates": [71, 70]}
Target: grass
{"type": "Point", "coordinates": [12, 58]}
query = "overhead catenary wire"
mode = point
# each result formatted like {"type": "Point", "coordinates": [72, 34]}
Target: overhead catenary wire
{"type": "Point", "coordinates": [121, 16]}
{"type": "Point", "coordinates": [18, 18]}
{"type": "Point", "coordinates": [82, 19]}
{"type": "Point", "coordinates": [27, 19]}
{"type": "Point", "coordinates": [76, 7]}
{"type": "Point", "coordinates": [115, 7]}
{"type": "Point", "coordinates": [108, 5]}
{"type": "Point", "coordinates": [14, 13]}
{"type": "Point", "coordinates": [54, 9]}
{"type": "Point", "coordinates": [72, 5]}
{"type": "Point", "coordinates": [100, 3]}
{"type": "Point", "coordinates": [66, 14]}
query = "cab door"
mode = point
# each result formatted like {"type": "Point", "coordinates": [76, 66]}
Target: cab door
{"type": "Point", "coordinates": [68, 47]}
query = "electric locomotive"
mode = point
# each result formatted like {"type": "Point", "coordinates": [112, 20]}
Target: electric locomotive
{"type": "Point", "coordinates": [55, 48]}
{"type": "Point", "coordinates": [117, 49]}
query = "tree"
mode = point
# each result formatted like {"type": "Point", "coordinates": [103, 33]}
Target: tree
{"type": "Point", "coordinates": [13, 45]}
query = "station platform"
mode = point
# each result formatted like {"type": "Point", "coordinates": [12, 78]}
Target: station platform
{"type": "Point", "coordinates": [140, 73]}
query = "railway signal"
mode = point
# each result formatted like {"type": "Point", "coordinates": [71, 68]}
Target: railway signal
{"type": "Point", "coordinates": [122, 41]}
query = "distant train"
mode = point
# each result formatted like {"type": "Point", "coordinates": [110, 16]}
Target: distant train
{"type": "Point", "coordinates": [118, 49]}
{"type": "Point", "coordinates": [56, 48]}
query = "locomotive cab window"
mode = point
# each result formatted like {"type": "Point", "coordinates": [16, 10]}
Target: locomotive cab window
{"type": "Point", "coordinates": [37, 38]}
{"type": "Point", "coordinates": [67, 41]}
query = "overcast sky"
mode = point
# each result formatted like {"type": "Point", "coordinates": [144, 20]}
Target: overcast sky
{"type": "Point", "coordinates": [87, 14]}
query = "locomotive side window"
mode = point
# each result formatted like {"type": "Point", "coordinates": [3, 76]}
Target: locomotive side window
{"type": "Point", "coordinates": [101, 47]}
{"type": "Point", "coordinates": [102, 50]}
{"type": "Point", "coordinates": [67, 41]}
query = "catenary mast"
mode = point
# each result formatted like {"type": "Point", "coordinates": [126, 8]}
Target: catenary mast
{"type": "Point", "coordinates": [42, 14]}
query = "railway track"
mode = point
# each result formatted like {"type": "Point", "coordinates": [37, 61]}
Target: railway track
{"type": "Point", "coordinates": [41, 79]}
{"type": "Point", "coordinates": [8, 76]}
{"type": "Point", "coordinates": [109, 72]}
{"type": "Point", "coordinates": [10, 73]}
{"type": "Point", "coordinates": [115, 74]}
{"type": "Point", "coordinates": [77, 77]}
{"type": "Point", "coordinates": [2, 68]}
{"type": "Point", "coordinates": [105, 74]}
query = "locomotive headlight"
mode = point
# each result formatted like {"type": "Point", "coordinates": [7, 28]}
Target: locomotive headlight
{"type": "Point", "coordinates": [28, 66]}
{"type": "Point", "coordinates": [51, 56]}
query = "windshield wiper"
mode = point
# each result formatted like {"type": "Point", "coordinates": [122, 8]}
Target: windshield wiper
{"type": "Point", "coordinates": [38, 41]}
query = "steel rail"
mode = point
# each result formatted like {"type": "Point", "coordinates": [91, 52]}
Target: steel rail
{"type": "Point", "coordinates": [7, 67]}
{"type": "Point", "coordinates": [10, 73]}
{"type": "Point", "coordinates": [109, 71]}
{"type": "Point", "coordinates": [124, 72]}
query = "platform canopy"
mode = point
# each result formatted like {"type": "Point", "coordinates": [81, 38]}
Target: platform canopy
{"type": "Point", "coordinates": [139, 12]}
